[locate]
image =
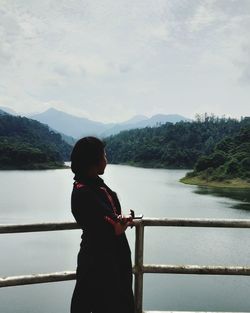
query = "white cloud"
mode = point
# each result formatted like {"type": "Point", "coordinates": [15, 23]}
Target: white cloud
{"type": "Point", "coordinates": [112, 59]}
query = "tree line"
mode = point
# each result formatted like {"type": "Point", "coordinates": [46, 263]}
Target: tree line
{"type": "Point", "coordinates": [170, 145]}
{"type": "Point", "coordinates": [230, 159]}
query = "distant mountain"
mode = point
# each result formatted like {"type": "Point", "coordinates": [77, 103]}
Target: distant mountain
{"type": "Point", "coordinates": [143, 121]}
{"type": "Point", "coordinates": [28, 144]}
{"type": "Point", "coordinates": [162, 119]}
{"type": "Point", "coordinates": [69, 124]}
{"type": "Point", "coordinates": [72, 127]}
{"type": "Point", "coordinates": [135, 119]}
{"type": "Point", "coordinates": [77, 127]}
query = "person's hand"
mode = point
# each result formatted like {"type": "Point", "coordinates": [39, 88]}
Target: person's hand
{"type": "Point", "coordinates": [125, 219]}
{"type": "Point", "coordinates": [122, 224]}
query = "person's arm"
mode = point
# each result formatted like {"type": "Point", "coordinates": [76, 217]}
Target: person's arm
{"type": "Point", "coordinates": [121, 224]}
{"type": "Point", "coordinates": [91, 213]}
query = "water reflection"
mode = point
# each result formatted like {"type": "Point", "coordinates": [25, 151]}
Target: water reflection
{"type": "Point", "coordinates": [242, 196]}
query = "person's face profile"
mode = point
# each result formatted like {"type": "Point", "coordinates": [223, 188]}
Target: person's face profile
{"type": "Point", "coordinates": [102, 164]}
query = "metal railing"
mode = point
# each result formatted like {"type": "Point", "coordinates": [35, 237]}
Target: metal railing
{"type": "Point", "coordinates": [139, 267]}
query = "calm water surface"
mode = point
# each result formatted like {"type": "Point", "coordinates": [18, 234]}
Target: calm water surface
{"type": "Point", "coordinates": [41, 196]}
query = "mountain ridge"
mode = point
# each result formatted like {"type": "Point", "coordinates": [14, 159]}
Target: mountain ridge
{"type": "Point", "coordinates": [76, 127]}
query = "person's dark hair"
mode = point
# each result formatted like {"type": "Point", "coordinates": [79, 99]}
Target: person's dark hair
{"type": "Point", "coordinates": [87, 152]}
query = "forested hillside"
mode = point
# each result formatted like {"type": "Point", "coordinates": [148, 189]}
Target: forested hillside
{"type": "Point", "coordinates": [28, 144]}
{"type": "Point", "coordinates": [171, 145]}
{"type": "Point", "coordinates": [229, 160]}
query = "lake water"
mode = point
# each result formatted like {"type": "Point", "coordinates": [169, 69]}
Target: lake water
{"type": "Point", "coordinates": [43, 196]}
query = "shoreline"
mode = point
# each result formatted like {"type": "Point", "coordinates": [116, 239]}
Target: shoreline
{"type": "Point", "coordinates": [152, 166]}
{"type": "Point", "coordinates": [35, 167]}
{"type": "Point", "coordinates": [235, 183]}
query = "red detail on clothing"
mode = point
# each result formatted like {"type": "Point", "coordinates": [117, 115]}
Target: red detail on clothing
{"type": "Point", "coordinates": [109, 220]}
{"type": "Point", "coordinates": [110, 200]}
{"type": "Point", "coordinates": [79, 185]}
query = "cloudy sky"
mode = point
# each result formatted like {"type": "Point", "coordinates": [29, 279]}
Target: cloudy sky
{"type": "Point", "coordinates": [111, 59]}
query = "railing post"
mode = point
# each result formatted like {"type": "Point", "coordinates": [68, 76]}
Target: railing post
{"type": "Point", "coordinates": [139, 243]}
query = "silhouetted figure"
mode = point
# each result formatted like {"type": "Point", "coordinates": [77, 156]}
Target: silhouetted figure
{"type": "Point", "coordinates": [104, 270]}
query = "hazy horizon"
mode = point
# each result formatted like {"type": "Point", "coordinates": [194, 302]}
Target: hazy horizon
{"type": "Point", "coordinates": [30, 114]}
{"type": "Point", "coordinates": [111, 60]}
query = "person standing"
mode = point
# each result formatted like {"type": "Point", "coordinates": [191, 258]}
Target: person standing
{"type": "Point", "coordinates": [104, 269]}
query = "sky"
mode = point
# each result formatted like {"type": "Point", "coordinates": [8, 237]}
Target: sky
{"type": "Point", "coordinates": [109, 60]}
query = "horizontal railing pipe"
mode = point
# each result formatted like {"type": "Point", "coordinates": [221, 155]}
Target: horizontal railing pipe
{"type": "Point", "coordinates": [23, 228]}
{"type": "Point", "coordinates": [197, 269]}
{"type": "Point", "coordinates": [36, 279]}
{"type": "Point", "coordinates": [174, 222]}
{"type": "Point", "coordinates": [151, 268]}
{"type": "Point", "coordinates": [197, 222]}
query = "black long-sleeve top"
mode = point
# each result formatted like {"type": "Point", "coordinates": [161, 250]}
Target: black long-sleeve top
{"type": "Point", "coordinates": [95, 208]}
